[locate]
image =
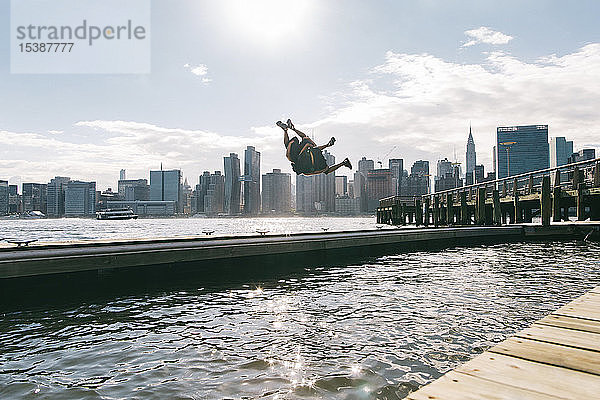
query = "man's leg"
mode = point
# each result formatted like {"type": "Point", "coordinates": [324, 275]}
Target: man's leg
{"type": "Point", "coordinates": [345, 163]}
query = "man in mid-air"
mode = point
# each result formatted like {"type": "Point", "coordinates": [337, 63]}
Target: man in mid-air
{"type": "Point", "coordinates": [306, 157]}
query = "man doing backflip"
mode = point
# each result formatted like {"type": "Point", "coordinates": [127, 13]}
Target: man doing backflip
{"type": "Point", "coordinates": [306, 157]}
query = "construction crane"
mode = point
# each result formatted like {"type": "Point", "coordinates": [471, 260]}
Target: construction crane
{"type": "Point", "coordinates": [379, 160]}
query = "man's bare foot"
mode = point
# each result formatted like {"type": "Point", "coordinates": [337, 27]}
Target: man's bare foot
{"type": "Point", "coordinates": [347, 163]}
{"type": "Point", "coordinates": [289, 124]}
{"type": "Point", "coordinates": [331, 141]}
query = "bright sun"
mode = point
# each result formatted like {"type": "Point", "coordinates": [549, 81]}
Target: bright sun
{"type": "Point", "coordinates": [268, 21]}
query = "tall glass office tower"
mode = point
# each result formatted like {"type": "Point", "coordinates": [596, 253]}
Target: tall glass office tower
{"type": "Point", "coordinates": [166, 185]}
{"type": "Point", "coordinates": [560, 151]}
{"type": "Point", "coordinates": [522, 149]}
{"type": "Point", "coordinates": [232, 184]}
{"type": "Point", "coordinates": [251, 181]}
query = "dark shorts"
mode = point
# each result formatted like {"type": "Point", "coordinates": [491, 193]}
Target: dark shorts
{"type": "Point", "coordinates": [310, 161]}
{"type": "Point", "coordinates": [296, 146]}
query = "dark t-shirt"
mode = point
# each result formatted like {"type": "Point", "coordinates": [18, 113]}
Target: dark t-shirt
{"type": "Point", "coordinates": [309, 161]}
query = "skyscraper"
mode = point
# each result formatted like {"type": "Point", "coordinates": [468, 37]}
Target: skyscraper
{"type": "Point", "coordinates": [201, 190]}
{"type": "Point", "coordinates": [448, 176]}
{"type": "Point", "coordinates": [34, 197]}
{"type": "Point", "coordinates": [380, 184]}
{"type": "Point", "coordinates": [214, 199]}
{"type": "Point", "coordinates": [251, 181]}
{"type": "Point", "coordinates": [521, 149]}
{"type": "Point", "coordinates": [560, 151]}
{"type": "Point", "coordinates": [56, 196]}
{"type": "Point", "coordinates": [417, 183]}
{"type": "Point", "coordinates": [80, 198]}
{"type": "Point", "coordinates": [134, 189]}
{"type": "Point", "coordinates": [232, 184]}
{"type": "Point", "coordinates": [341, 185]}
{"type": "Point", "coordinates": [166, 185]}
{"type": "Point", "coordinates": [276, 192]}
{"type": "Point", "coordinates": [471, 158]}
{"type": "Point", "coordinates": [582, 155]}
{"type": "Point", "coordinates": [365, 165]}
{"type": "Point", "coordinates": [122, 176]}
{"type": "Point", "coordinates": [3, 197]}
{"type": "Point", "coordinates": [396, 165]}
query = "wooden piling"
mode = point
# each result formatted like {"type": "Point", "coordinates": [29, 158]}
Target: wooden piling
{"type": "Point", "coordinates": [426, 217]}
{"type": "Point", "coordinates": [480, 214]}
{"type": "Point", "coordinates": [464, 209]}
{"type": "Point", "coordinates": [576, 178]}
{"type": "Point", "coordinates": [436, 211]}
{"type": "Point", "coordinates": [597, 174]}
{"type": "Point", "coordinates": [556, 195]}
{"type": "Point", "coordinates": [418, 213]}
{"type": "Point", "coordinates": [580, 202]}
{"type": "Point", "coordinates": [545, 202]}
{"type": "Point", "coordinates": [449, 209]}
{"type": "Point", "coordinates": [517, 207]}
{"type": "Point", "coordinates": [497, 218]}
{"type": "Point", "coordinates": [530, 184]}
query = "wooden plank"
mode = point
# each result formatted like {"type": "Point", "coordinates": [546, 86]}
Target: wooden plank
{"type": "Point", "coordinates": [565, 337]}
{"type": "Point", "coordinates": [570, 358]}
{"type": "Point", "coordinates": [533, 376]}
{"type": "Point", "coordinates": [571, 323]}
{"type": "Point", "coordinates": [458, 386]}
{"type": "Point", "coordinates": [588, 312]}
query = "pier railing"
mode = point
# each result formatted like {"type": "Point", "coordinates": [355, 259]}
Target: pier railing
{"type": "Point", "coordinates": [549, 193]}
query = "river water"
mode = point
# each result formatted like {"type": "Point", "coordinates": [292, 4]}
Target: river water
{"type": "Point", "coordinates": [375, 329]}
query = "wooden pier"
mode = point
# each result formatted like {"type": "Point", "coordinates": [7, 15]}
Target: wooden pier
{"type": "Point", "coordinates": [549, 194]}
{"type": "Point", "coordinates": [558, 357]}
{"type": "Point", "coordinates": [41, 258]}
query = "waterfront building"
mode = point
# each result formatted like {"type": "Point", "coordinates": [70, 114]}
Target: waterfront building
{"type": "Point", "coordinates": [341, 185]}
{"type": "Point", "coordinates": [201, 190]}
{"type": "Point", "coordinates": [214, 199]}
{"type": "Point", "coordinates": [316, 193]}
{"type": "Point", "coordinates": [479, 173]}
{"type": "Point", "coordinates": [133, 189]}
{"type": "Point", "coordinates": [165, 185]}
{"type": "Point", "coordinates": [55, 190]}
{"type": "Point", "coordinates": [560, 151]}
{"type": "Point", "coordinates": [522, 149]}
{"type": "Point", "coordinates": [13, 199]}
{"type": "Point", "coordinates": [379, 185]}
{"type": "Point", "coordinates": [360, 189]}
{"type": "Point", "coordinates": [396, 166]}
{"type": "Point", "coordinates": [34, 197]}
{"type": "Point", "coordinates": [233, 188]}
{"type": "Point", "coordinates": [146, 207]}
{"type": "Point", "coordinates": [365, 165]}
{"type": "Point", "coordinates": [350, 189]}
{"type": "Point", "coordinates": [417, 183]}
{"type": "Point", "coordinates": [582, 155]}
{"type": "Point", "coordinates": [276, 192]}
{"type": "Point", "coordinates": [346, 205]}
{"type": "Point", "coordinates": [471, 158]}
{"type": "Point", "coordinates": [4, 197]}
{"type": "Point", "coordinates": [122, 175]}
{"type": "Point", "coordinates": [251, 181]}
{"type": "Point", "coordinates": [448, 176]}
{"type": "Point", "coordinates": [80, 198]}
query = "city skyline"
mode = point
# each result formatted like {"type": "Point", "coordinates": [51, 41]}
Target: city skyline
{"type": "Point", "coordinates": [402, 84]}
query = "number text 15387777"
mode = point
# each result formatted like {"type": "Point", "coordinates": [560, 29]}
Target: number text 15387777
{"type": "Point", "coordinates": [46, 47]}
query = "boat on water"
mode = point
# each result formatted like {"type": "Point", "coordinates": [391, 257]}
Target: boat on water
{"type": "Point", "coordinates": [116, 213]}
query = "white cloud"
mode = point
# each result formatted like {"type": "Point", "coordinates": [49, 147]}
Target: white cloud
{"type": "Point", "coordinates": [484, 34]}
{"type": "Point", "coordinates": [423, 104]}
{"type": "Point", "coordinates": [55, 132]}
{"type": "Point", "coordinates": [199, 70]}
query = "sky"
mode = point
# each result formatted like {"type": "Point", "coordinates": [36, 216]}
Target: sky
{"type": "Point", "coordinates": [387, 79]}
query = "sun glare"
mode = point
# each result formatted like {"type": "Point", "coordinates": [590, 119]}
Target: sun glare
{"type": "Point", "coordinates": [268, 21]}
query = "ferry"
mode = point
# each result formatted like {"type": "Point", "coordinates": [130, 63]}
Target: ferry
{"type": "Point", "coordinates": [116, 213]}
